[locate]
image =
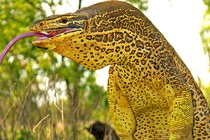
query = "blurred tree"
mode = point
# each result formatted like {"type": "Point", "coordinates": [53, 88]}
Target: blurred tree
{"type": "Point", "coordinates": [205, 36]}
{"type": "Point", "coordinates": [142, 4]}
{"type": "Point", "coordinates": [205, 31]}
{"type": "Point", "coordinates": [42, 94]}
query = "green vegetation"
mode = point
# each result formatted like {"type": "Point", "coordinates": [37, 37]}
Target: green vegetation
{"type": "Point", "coordinates": [43, 95]}
{"type": "Point", "coordinates": [205, 36]}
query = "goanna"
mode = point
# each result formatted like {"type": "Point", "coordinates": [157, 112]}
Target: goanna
{"type": "Point", "coordinates": [152, 94]}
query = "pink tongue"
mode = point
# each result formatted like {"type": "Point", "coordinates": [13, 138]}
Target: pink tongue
{"type": "Point", "coordinates": [54, 33]}
{"type": "Point", "coordinates": [17, 38]}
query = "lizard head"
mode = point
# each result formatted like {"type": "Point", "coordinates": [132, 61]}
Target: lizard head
{"type": "Point", "coordinates": [67, 36]}
{"type": "Point", "coordinates": [57, 25]}
{"type": "Point", "coordinates": [92, 36]}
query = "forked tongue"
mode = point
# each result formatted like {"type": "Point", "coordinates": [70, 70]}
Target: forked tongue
{"type": "Point", "coordinates": [19, 37]}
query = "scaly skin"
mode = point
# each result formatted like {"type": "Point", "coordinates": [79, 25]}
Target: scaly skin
{"type": "Point", "coordinates": [152, 94]}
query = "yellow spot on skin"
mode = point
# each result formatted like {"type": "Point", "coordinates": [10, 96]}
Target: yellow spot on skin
{"type": "Point", "coordinates": [51, 46]}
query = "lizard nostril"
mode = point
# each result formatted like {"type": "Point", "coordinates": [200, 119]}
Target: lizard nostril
{"type": "Point", "coordinates": [41, 24]}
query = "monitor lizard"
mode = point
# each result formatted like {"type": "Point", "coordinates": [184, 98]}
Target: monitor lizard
{"type": "Point", "coordinates": [151, 93]}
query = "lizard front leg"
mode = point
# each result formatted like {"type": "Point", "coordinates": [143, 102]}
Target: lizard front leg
{"type": "Point", "coordinates": [121, 112]}
{"type": "Point", "coordinates": [180, 118]}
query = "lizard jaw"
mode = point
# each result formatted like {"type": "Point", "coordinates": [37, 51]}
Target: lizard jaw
{"type": "Point", "coordinates": [54, 38]}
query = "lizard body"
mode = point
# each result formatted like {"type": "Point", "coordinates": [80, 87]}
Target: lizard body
{"type": "Point", "coordinates": [151, 93]}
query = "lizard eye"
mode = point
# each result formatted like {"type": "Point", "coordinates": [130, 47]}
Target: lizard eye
{"type": "Point", "coordinates": [64, 20]}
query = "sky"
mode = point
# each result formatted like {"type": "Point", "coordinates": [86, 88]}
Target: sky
{"type": "Point", "coordinates": [179, 21]}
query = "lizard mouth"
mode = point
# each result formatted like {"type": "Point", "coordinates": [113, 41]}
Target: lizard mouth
{"type": "Point", "coordinates": [54, 36]}
{"type": "Point", "coordinates": [55, 33]}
